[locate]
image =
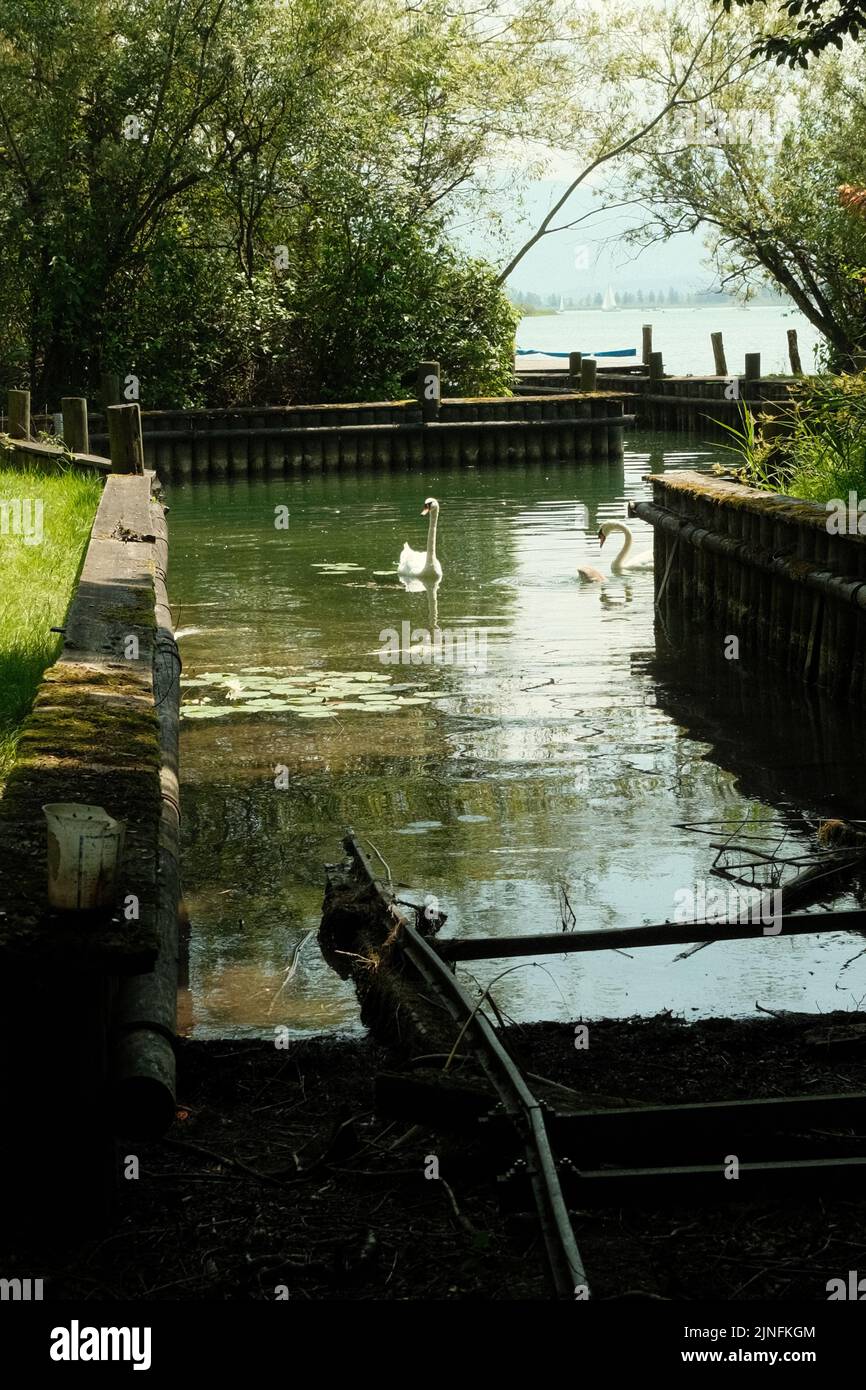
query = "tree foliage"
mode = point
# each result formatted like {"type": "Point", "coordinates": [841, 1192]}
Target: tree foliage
{"type": "Point", "coordinates": [250, 198]}
{"type": "Point", "coordinates": [810, 27]}
{"type": "Point", "coordinates": [759, 173]}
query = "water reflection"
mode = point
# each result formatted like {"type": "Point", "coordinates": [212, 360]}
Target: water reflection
{"type": "Point", "coordinates": [567, 759]}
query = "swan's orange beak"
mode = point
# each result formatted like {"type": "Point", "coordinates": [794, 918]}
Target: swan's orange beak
{"type": "Point", "coordinates": [425, 511]}
{"type": "Point", "coordinates": [601, 539]}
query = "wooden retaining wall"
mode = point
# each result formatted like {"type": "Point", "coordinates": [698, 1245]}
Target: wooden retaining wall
{"type": "Point", "coordinates": [254, 440]}
{"type": "Point", "coordinates": [694, 405]}
{"type": "Point", "coordinates": [74, 989]}
{"type": "Point", "coordinates": [765, 569]}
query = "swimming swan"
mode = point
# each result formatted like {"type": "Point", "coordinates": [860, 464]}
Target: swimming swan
{"type": "Point", "coordinates": [422, 564]}
{"type": "Point", "coordinates": [622, 561]}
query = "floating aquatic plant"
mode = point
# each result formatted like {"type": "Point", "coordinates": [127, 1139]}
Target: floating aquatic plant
{"type": "Point", "coordinates": [307, 695]}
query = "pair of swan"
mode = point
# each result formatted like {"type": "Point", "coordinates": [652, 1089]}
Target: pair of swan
{"type": "Point", "coordinates": [622, 563]}
{"type": "Point", "coordinates": [424, 565]}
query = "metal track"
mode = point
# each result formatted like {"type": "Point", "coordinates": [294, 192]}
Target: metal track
{"type": "Point", "coordinates": [563, 1257]}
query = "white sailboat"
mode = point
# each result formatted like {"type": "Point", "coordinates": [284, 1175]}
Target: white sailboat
{"type": "Point", "coordinates": [609, 301]}
{"type": "Point", "coordinates": [561, 304]}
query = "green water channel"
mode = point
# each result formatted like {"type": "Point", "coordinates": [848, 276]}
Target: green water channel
{"type": "Point", "coordinates": [549, 768]}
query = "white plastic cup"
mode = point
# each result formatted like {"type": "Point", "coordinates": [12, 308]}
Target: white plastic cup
{"type": "Point", "coordinates": [85, 846]}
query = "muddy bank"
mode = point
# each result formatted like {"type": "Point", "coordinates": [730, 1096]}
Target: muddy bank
{"type": "Point", "coordinates": [278, 1175]}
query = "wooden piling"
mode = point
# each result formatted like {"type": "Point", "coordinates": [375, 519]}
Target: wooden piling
{"type": "Point", "coordinates": [126, 447]}
{"type": "Point", "coordinates": [720, 364]}
{"type": "Point", "coordinates": [18, 411]}
{"type": "Point", "coordinates": [794, 353]}
{"type": "Point", "coordinates": [646, 343]}
{"type": "Point", "coordinates": [599, 432]}
{"type": "Point", "coordinates": [574, 368]}
{"type": "Point", "coordinates": [75, 432]}
{"type": "Point", "coordinates": [109, 389]}
{"type": "Point", "coordinates": [588, 374]}
{"type": "Point", "coordinates": [429, 390]}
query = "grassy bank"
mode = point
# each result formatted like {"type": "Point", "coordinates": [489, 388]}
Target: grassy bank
{"type": "Point", "coordinates": [821, 453]}
{"type": "Point", "coordinates": [45, 522]}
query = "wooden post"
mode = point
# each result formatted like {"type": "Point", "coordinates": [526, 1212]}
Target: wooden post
{"type": "Point", "coordinates": [429, 390]}
{"type": "Point", "coordinates": [753, 367]}
{"type": "Point", "coordinates": [647, 343]}
{"type": "Point", "coordinates": [75, 433]}
{"type": "Point", "coordinates": [656, 366]}
{"type": "Point", "coordinates": [588, 370]}
{"type": "Point", "coordinates": [574, 361]}
{"type": "Point", "coordinates": [719, 359]}
{"type": "Point", "coordinates": [109, 389]}
{"type": "Point", "coordinates": [19, 414]}
{"type": "Point", "coordinates": [794, 353]}
{"type": "Point", "coordinates": [126, 446]}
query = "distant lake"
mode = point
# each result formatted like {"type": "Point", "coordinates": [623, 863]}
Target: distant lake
{"type": "Point", "coordinates": [681, 334]}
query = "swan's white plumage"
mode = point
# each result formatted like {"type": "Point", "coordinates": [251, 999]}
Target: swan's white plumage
{"type": "Point", "coordinates": [624, 560]}
{"type": "Point", "coordinates": [422, 564]}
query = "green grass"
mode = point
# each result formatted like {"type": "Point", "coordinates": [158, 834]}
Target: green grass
{"type": "Point", "coordinates": [36, 583]}
{"type": "Point", "coordinates": [821, 455]}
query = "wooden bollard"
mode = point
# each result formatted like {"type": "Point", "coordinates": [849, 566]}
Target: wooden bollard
{"type": "Point", "coordinates": [588, 371]}
{"type": "Point", "coordinates": [19, 414]}
{"type": "Point", "coordinates": [574, 361]}
{"type": "Point", "coordinates": [646, 343]}
{"type": "Point", "coordinates": [719, 360]}
{"type": "Point", "coordinates": [429, 390]}
{"type": "Point", "coordinates": [125, 443]}
{"type": "Point", "coordinates": [109, 389]}
{"type": "Point", "coordinates": [656, 366]}
{"type": "Point", "coordinates": [75, 432]}
{"type": "Point", "coordinates": [794, 353]}
{"type": "Point", "coordinates": [753, 366]}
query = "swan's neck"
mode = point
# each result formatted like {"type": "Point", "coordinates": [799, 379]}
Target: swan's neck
{"type": "Point", "coordinates": [431, 533]}
{"type": "Point", "coordinates": [626, 545]}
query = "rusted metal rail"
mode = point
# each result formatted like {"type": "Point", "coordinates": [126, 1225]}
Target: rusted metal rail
{"type": "Point", "coordinates": [564, 1262]}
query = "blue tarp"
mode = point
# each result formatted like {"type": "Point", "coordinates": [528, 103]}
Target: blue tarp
{"type": "Point", "coordinates": [540, 352]}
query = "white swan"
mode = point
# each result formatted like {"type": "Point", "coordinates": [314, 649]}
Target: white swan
{"type": "Point", "coordinates": [422, 564]}
{"type": "Point", "coordinates": [622, 560]}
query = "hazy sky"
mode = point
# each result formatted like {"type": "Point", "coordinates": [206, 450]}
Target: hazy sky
{"type": "Point", "coordinates": [592, 255]}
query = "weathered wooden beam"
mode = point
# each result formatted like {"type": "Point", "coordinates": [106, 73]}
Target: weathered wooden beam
{"type": "Point", "coordinates": [629, 938]}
